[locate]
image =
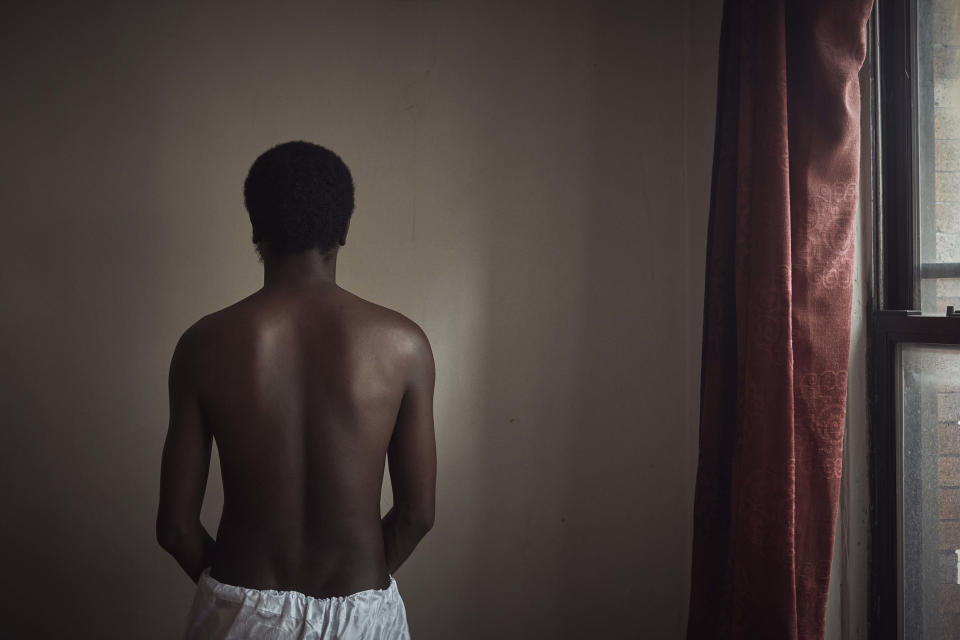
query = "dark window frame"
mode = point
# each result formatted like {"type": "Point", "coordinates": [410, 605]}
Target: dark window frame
{"type": "Point", "coordinates": [899, 179]}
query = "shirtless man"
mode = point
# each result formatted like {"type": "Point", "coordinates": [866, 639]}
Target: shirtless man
{"type": "Point", "coordinates": [306, 388]}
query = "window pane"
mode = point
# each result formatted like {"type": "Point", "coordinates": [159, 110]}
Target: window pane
{"type": "Point", "coordinates": [929, 458]}
{"type": "Point", "coordinates": [938, 137]}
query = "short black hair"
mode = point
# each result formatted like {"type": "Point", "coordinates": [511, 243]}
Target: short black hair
{"type": "Point", "coordinates": [299, 196]}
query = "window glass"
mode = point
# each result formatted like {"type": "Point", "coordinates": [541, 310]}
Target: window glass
{"type": "Point", "coordinates": [938, 142]}
{"type": "Point", "coordinates": [929, 458]}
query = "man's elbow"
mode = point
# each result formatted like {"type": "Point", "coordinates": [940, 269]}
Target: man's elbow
{"type": "Point", "coordinates": [426, 523]}
{"type": "Point", "coordinates": [171, 534]}
{"type": "Point", "coordinates": [421, 520]}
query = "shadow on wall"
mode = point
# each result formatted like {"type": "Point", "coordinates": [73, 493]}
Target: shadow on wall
{"type": "Point", "coordinates": [79, 418]}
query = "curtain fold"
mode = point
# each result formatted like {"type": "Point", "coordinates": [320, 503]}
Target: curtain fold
{"type": "Point", "coordinates": [776, 326]}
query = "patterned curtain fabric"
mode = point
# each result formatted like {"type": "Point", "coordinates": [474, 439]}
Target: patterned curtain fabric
{"type": "Point", "coordinates": [777, 308]}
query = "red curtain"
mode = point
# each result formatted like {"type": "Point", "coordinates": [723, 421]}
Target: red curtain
{"type": "Point", "coordinates": [777, 308]}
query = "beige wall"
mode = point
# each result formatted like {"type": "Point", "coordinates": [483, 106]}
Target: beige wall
{"type": "Point", "coordinates": [532, 188]}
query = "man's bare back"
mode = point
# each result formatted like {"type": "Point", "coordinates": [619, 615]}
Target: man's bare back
{"type": "Point", "coordinates": [305, 389]}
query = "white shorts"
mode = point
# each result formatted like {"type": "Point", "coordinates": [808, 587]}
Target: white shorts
{"type": "Point", "coordinates": [226, 612]}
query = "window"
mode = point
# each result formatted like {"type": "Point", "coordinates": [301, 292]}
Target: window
{"type": "Point", "coordinates": [914, 335]}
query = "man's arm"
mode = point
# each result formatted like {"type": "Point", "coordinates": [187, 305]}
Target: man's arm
{"type": "Point", "coordinates": [412, 457]}
{"type": "Point", "coordinates": [184, 467]}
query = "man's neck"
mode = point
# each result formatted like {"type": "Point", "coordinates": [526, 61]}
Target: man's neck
{"type": "Point", "coordinates": [299, 269]}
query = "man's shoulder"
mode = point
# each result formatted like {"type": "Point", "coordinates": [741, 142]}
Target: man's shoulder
{"type": "Point", "coordinates": [195, 336]}
{"type": "Point", "coordinates": [385, 317]}
{"type": "Point", "coordinates": [405, 334]}
{"type": "Point", "coordinates": [243, 311]}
